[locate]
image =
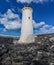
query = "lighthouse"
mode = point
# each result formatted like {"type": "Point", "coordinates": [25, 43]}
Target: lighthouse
{"type": "Point", "coordinates": [27, 35]}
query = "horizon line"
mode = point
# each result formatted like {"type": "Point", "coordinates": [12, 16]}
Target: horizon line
{"type": "Point", "coordinates": [4, 35]}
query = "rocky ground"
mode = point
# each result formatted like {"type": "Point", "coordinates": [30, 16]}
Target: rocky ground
{"type": "Point", "coordinates": [27, 54]}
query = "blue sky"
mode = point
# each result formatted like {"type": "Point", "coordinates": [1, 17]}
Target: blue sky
{"type": "Point", "coordinates": [11, 16]}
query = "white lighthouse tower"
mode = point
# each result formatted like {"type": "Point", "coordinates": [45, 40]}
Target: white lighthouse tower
{"type": "Point", "coordinates": [27, 35]}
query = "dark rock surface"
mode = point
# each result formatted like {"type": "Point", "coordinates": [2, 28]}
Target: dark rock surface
{"type": "Point", "coordinates": [26, 54]}
{"type": "Point", "coordinates": [11, 54]}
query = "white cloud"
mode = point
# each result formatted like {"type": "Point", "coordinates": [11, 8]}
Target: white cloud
{"type": "Point", "coordinates": [10, 20]}
{"type": "Point", "coordinates": [12, 25]}
{"type": "Point", "coordinates": [10, 14]}
{"type": "Point", "coordinates": [35, 1]}
{"type": "Point", "coordinates": [46, 29]}
{"type": "Point", "coordinates": [29, 1]}
{"type": "Point", "coordinates": [36, 25]}
{"type": "Point", "coordinates": [46, 26]}
{"type": "Point", "coordinates": [25, 1]}
{"type": "Point", "coordinates": [52, 27]}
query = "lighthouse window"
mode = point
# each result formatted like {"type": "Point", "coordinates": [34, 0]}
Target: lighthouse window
{"type": "Point", "coordinates": [29, 17]}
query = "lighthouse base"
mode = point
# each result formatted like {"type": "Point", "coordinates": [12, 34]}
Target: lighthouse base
{"type": "Point", "coordinates": [26, 39]}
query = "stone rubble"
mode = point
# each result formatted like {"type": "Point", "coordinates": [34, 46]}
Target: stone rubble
{"type": "Point", "coordinates": [27, 54]}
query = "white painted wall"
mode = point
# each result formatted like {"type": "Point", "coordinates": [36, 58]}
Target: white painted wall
{"type": "Point", "coordinates": [27, 26]}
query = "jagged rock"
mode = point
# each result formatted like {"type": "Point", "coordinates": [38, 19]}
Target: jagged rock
{"type": "Point", "coordinates": [26, 63]}
{"type": "Point", "coordinates": [18, 59]}
{"type": "Point", "coordinates": [6, 61]}
{"type": "Point", "coordinates": [21, 63]}
{"type": "Point", "coordinates": [39, 62]}
{"type": "Point", "coordinates": [21, 54]}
